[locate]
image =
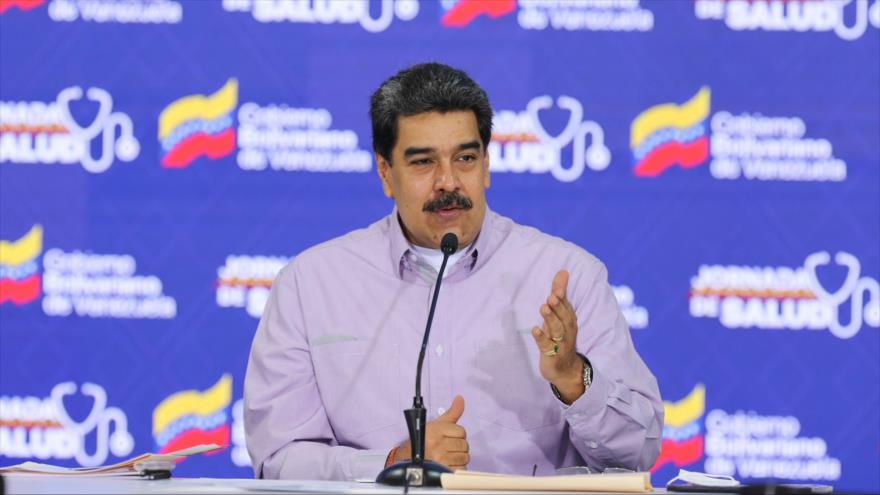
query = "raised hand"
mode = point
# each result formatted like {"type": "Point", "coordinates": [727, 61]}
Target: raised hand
{"type": "Point", "coordinates": [556, 338]}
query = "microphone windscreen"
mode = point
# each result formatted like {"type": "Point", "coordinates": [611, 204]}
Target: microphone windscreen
{"type": "Point", "coordinates": [449, 243]}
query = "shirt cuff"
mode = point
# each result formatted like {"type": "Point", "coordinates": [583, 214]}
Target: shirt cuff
{"type": "Point", "coordinates": [367, 464]}
{"type": "Point", "coordinates": [590, 403]}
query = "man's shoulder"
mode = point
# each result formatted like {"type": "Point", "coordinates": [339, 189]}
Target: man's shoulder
{"type": "Point", "coordinates": [364, 244]}
{"type": "Point", "coordinates": [530, 240]}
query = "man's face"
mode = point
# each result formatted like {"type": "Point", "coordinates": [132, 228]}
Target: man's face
{"type": "Point", "coordinates": [439, 176]}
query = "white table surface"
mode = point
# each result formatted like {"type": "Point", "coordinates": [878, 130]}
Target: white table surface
{"type": "Point", "coordinates": [78, 485]}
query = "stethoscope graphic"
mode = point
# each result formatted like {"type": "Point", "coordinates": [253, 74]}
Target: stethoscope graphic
{"type": "Point", "coordinates": [597, 156]}
{"type": "Point", "coordinates": [126, 147]}
{"type": "Point", "coordinates": [853, 287]}
{"type": "Point", "coordinates": [120, 442]}
{"type": "Point", "coordinates": [405, 10]}
{"type": "Point", "coordinates": [862, 16]}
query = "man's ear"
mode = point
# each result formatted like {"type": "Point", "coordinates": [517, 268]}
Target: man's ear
{"type": "Point", "coordinates": [486, 178]}
{"type": "Point", "coordinates": [383, 167]}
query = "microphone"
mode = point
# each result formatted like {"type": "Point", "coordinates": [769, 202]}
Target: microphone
{"type": "Point", "coordinates": [449, 244]}
{"type": "Point", "coordinates": [418, 471]}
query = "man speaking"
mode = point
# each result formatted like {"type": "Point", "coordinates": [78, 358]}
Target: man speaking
{"type": "Point", "coordinates": [530, 361]}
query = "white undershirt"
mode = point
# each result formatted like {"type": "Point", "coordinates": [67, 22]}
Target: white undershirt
{"type": "Point", "coordinates": [434, 257]}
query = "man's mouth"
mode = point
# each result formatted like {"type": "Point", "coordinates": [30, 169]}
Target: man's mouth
{"type": "Point", "coordinates": [448, 212]}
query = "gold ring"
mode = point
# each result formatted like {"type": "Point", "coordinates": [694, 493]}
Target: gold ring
{"type": "Point", "coordinates": [554, 352]}
{"type": "Point", "coordinates": [557, 339]}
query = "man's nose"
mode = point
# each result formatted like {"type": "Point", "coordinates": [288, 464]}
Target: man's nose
{"type": "Point", "coordinates": [445, 178]}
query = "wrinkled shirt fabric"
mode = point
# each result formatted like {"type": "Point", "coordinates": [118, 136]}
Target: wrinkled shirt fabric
{"type": "Point", "coordinates": [333, 362]}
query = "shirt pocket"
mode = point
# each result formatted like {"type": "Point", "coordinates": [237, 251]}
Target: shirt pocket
{"type": "Point", "coordinates": [510, 391]}
{"type": "Point", "coordinates": [358, 383]}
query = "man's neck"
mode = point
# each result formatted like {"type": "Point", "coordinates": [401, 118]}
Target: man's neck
{"type": "Point", "coordinates": [434, 257]}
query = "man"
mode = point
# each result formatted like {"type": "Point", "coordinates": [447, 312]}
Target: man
{"type": "Point", "coordinates": [530, 360]}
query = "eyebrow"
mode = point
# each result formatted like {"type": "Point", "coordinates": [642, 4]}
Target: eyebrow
{"type": "Point", "coordinates": [425, 150]}
{"type": "Point", "coordinates": [473, 145]}
{"type": "Point", "coordinates": [417, 151]}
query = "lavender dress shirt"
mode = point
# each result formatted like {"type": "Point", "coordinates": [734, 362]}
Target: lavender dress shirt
{"type": "Point", "coordinates": [333, 361]}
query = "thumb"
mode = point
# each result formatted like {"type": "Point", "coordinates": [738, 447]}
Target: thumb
{"type": "Point", "coordinates": [453, 414]}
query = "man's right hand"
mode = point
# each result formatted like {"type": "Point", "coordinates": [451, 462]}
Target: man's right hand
{"type": "Point", "coordinates": [445, 440]}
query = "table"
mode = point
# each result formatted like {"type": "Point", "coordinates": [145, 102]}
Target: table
{"type": "Point", "coordinates": [130, 485]}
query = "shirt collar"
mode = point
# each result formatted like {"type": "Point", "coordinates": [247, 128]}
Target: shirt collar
{"type": "Point", "coordinates": [480, 250]}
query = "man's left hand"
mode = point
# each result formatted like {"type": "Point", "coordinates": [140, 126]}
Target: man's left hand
{"type": "Point", "coordinates": [560, 363]}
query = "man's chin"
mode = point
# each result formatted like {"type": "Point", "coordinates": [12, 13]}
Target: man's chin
{"type": "Point", "coordinates": [457, 228]}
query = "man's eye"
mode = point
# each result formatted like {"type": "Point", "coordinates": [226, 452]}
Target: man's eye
{"type": "Point", "coordinates": [421, 161]}
{"type": "Point", "coordinates": [468, 158]}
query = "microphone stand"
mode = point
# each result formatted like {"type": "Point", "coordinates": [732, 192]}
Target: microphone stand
{"type": "Point", "coordinates": [418, 471]}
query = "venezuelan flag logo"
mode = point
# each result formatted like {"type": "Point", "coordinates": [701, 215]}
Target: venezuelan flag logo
{"type": "Point", "coordinates": [198, 125]}
{"type": "Point", "coordinates": [19, 272]}
{"type": "Point", "coordinates": [21, 4]}
{"type": "Point", "coordinates": [191, 417]}
{"type": "Point", "coordinates": [669, 134]}
{"type": "Point", "coordinates": [682, 436]}
{"type": "Point", "coordinates": [464, 12]}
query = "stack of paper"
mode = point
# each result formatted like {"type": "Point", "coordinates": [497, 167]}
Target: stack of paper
{"type": "Point", "coordinates": [131, 467]}
{"type": "Point", "coordinates": [611, 482]}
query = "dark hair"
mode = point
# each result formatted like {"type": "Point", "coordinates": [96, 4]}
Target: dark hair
{"type": "Point", "coordinates": [425, 88]}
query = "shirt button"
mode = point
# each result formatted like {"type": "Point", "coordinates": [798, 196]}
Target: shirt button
{"type": "Point", "coordinates": [439, 350]}
{"type": "Point", "coordinates": [593, 444]}
{"type": "Point", "coordinates": [440, 411]}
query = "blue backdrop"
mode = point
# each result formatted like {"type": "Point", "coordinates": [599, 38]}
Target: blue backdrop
{"type": "Point", "coordinates": [160, 160]}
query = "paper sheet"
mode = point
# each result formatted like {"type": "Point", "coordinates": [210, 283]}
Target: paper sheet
{"type": "Point", "coordinates": [612, 482]}
{"type": "Point", "coordinates": [124, 468]}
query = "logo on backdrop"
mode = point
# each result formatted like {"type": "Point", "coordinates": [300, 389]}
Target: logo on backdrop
{"type": "Point", "coordinates": [42, 428]}
{"type": "Point", "coordinates": [269, 137]}
{"type": "Point", "coordinates": [105, 11]}
{"type": "Point", "coordinates": [20, 278]}
{"type": "Point", "coordinates": [520, 143]}
{"type": "Point", "coordinates": [751, 445]}
{"type": "Point", "coordinates": [788, 298]}
{"type": "Point", "coordinates": [101, 286]}
{"type": "Point", "coordinates": [79, 283]}
{"type": "Point", "coordinates": [19, 4]}
{"type": "Point", "coordinates": [191, 417]}
{"type": "Point", "coordinates": [589, 15]}
{"type": "Point", "coordinates": [682, 435]}
{"type": "Point", "coordinates": [669, 134]}
{"type": "Point", "coordinates": [848, 19]}
{"type": "Point", "coordinates": [245, 281]}
{"type": "Point", "coordinates": [117, 11]}
{"type": "Point", "coordinates": [636, 316]}
{"type": "Point", "coordinates": [460, 13]}
{"type": "Point", "coordinates": [373, 17]}
{"type": "Point", "coordinates": [746, 146]}
{"type": "Point", "coordinates": [283, 138]}
{"type": "Point", "coordinates": [46, 132]}
{"type": "Point", "coordinates": [198, 125]}
{"type": "Point", "coordinates": [742, 444]}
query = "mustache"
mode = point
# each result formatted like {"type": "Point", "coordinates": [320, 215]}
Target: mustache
{"type": "Point", "coordinates": [446, 200]}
